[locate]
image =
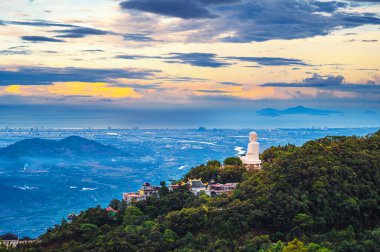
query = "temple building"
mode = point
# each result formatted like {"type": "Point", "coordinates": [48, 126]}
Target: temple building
{"type": "Point", "coordinates": [252, 159]}
{"type": "Point", "coordinates": [196, 186]}
{"type": "Point", "coordinates": [146, 191]}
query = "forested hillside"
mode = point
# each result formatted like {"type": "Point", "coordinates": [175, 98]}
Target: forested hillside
{"type": "Point", "coordinates": [322, 196]}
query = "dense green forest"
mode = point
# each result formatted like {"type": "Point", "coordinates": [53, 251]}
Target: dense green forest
{"type": "Point", "coordinates": [322, 196]}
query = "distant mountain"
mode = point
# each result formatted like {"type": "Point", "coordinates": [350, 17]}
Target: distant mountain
{"type": "Point", "coordinates": [73, 146]}
{"type": "Point", "coordinates": [299, 110]}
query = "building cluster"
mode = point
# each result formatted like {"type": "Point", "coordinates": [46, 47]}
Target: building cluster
{"type": "Point", "coordinates": [146, 191]}
{"type": "Point", "coordinates": [196, 186]}
{"type": "Point", "coordinates": [12, 240]}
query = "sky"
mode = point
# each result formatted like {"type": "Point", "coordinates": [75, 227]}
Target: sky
{"type": "Point", "coordinates": [190, 63]}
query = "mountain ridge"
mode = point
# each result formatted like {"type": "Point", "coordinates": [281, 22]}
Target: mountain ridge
{"type": "Point", "coordinates": [73, 146]}
{"type": "Point", "coordinates": [298, 110]}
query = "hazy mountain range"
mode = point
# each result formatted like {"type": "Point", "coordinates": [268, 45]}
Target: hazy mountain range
{"type": "Point", "coordinates": [299, 110]}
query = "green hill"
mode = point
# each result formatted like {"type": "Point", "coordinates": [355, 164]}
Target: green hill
{"type": "Point", "coordinates": [322, 196]}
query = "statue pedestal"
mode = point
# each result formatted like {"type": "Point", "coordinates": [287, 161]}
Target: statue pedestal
{"type": "Point", "coordinates": [253, 167]}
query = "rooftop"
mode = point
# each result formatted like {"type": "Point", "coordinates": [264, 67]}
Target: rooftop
{"type": "Point", "coordinates": [196, 184]}
{"type": "Point", "coordinates": [9, 237]}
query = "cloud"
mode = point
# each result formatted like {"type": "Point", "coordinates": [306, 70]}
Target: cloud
{"type": "Point", "coordinates": [39, 23]}
{"type": "Point", "coordinates": [369, 40]}
{"type": "Point", "coordinates": [74, 31]}
{"type": "Point", "coordinates": [259, 20]}
{"type": "Point", "coordinates": [141, 86]}
{"type": "Point", "coordinates": [185, 9]}
{"type": "Point", "coordinates": [49, 75]}
{"type": "Point", "coordinates": [93, 50]}
{"type": "Point", "coordinates": [133, 57]}
{"type": "Point", "coordinates": [40, 39]}
{"type": "Point", "coordinates": [196, 59]}
{"type": "Point", "coordinates": [178, 79]}
{"type": "Point", "coordinates": [137, 37]}
{"type": "Point", "coordinates": [329, 6]}
{"type": "Point", "coordinates": [356, 20]}
{"type": "Point", "coordinates": [212, 91]}
{"type": "Point", "coordinates": [16, 50]}
{"type": "Point", "coordinates": [72, 89]}
{"type": "Point", "coordinates": [270, 61]}
{"type": "Point", "coordinates": [329, 83]}
{"type": "Point", "coordinates": [215, 61]}
{"type": "Point", "coordinates": [80, 32]}
{"type": "Point", "coordinates": [233, 84]}
{"type": "Point", "coordinates": [369, 1]}
{"type": "Point", "coordinates": [282, 19]}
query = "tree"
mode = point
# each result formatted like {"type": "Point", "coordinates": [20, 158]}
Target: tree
{"type": "Point", "coordinates": [295, 246]}
{"type": "Point", "coordinates": [132, 214]}
{"type": "Point", "coordinates": [235, 161]}
{"type": "Point", "coordinates": [115, 204]}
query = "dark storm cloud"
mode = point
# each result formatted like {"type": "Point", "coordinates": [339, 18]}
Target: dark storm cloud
{"type": "Point", "coordinates": [329, 83]}
{"type": "Point", "coordinates": [40, 39]}
{"type": "Point", "coordinates": [48, 75]}
{"type": "Point", "coordinates": [80, 32]}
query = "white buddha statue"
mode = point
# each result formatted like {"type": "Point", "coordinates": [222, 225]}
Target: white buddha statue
{"type": "Point", "coordinates": [252, 160]}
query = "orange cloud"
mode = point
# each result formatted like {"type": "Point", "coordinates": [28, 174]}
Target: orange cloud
{"type": "Point", "coordinates": [96, 90]}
